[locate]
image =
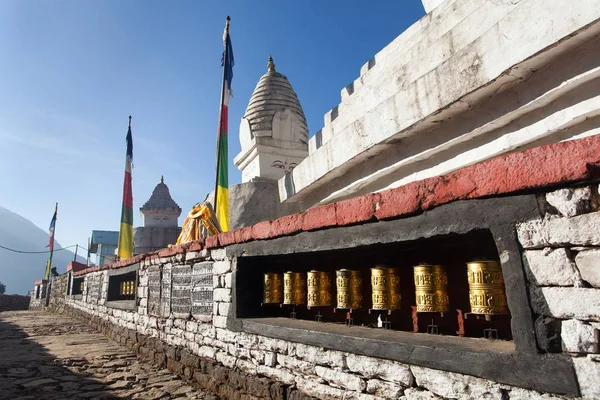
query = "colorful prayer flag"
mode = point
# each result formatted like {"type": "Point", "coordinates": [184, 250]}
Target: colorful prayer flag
{"type": "Point", "coordinates": [51, 241]}
{"type": "Point", "coordinates": [125, 249]}
{"type": "Point", "coordinates": [222, 186]}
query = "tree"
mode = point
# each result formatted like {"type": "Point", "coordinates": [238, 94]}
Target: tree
{"type": "Point", "coordinates": [2, 288]}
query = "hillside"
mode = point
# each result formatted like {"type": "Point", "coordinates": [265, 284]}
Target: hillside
{"type": "Point", "coordinates": [19, 271]}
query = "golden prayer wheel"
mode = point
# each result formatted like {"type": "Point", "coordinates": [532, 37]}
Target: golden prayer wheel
{"type": "Point", "coordinates": [431, 288]}
{"type": "Point", "coordinates": [349, 289]}
{"type": "Point", "coordinates": [273, 288]}
{"type": "Point", "coordinates": [122, 288]}
{"type": "Point", "coordinates": [486, 288]}
{"type": "Point", "coordinates": [294, 288]}
{"type": "Point", "coordinates": [319, 289]}
{"type": "Point", "coordinates": [385, 285]}
{"type": "Point", "coordinates": [131, 288]}
{"type": "Point", "coordinates": [394, 288]}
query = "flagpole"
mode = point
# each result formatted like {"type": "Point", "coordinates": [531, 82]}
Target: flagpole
{"type": "Point", "coordinates": [219, 138]}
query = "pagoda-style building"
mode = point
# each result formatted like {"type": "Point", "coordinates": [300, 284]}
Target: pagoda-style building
{"type": "Point", "coordinates": [160, 214]}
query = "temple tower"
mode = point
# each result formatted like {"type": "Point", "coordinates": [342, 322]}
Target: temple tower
{"type": "Point", "coordinates": [159, 215]}
{"type": "Point", "coordinates": [273, 131]}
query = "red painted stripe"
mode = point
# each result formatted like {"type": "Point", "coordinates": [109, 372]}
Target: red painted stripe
{"type": "Point", "coordinates": [127, 192]}
{"type": "Point", "coordinates": [224, 119]}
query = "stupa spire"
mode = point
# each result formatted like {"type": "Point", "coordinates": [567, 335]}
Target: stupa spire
{"type": "Point", "coordinates": [271, 64]}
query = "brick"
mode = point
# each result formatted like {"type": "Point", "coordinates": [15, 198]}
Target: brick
{"type": "Point", "coordinates": [226, 238]}
{"type": "Point", "coordinates": [243, 235]}
{"type": "Point", "coordinates": [211, 242]}
{"type": "Point", "coordinates": [355, 210]}
{"type": "Point", "coordinates": [400, 201]}
{"type": "Point", "coordinates": [287, 225]}
{"type": "Point", "coordinates": [319, 217]}
{"type": "Point", "coordinates": [262, 230]}
{"type": "Point", "coordinates": [196, 245]}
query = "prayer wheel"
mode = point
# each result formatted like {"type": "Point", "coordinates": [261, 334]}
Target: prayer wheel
{"type": "Point", "coordinates": [273, 288]}
{"type": "Point", "coordinates": [394, 288]}
{"type": "Point", "coordinates": [486, 288]}
{"type": "Point", "coordinates": [294, 288]}
{"type": "Point", "coordinates": [349, 289]}
{"type": "Point", "coordinates": [431, 288]}
{"type": "Point", "coordinates": [318, 284]}
{"type": "Point", "coordinates": [385, 286]}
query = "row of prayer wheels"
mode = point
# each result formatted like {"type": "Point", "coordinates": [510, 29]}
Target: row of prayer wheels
{"type": "Point", "coordinates": [314, 288]}
{"type": "Point", "coordinates": [127, 289]}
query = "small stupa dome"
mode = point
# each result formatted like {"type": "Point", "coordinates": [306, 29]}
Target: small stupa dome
{"type": "Point", "coordinates": [273, 94]}
{"type": "Point", "coordinates": [160, 199]}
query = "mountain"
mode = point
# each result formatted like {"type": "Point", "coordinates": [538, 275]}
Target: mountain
{"type": "Point", "coordinates": [18, 271]}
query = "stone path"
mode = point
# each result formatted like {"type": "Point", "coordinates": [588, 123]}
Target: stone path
{"type": "Point", "coordinates": [47, 356]}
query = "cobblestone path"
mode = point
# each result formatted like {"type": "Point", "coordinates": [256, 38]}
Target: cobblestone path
{"type": "Point", "coordinates": [48, 356]}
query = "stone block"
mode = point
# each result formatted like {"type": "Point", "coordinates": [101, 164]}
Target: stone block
{"type": "Point", "coordinates": [296, 365]}
{"type": "Point", "coordinates": [259, 387]}
{"type": "Point", "coordinates": [225, 359]}
{"type": "Point", "coordinates": [224, 308]}
{"type": "Point", "coordinates": [218, 254]}
{"type": "Point", "coordinates": [547, 331]}
{"type": "Point", "coordinates": [317, 355]}
{"type": "Point", "coordinates": [219, 321]}
{"type": "Point", "coordinates": [574, 201]}
{"type": "Point", "coordinates": [383, 369]}
{"type": "Point", "coordinates": [227, 280]}
{"type": "Point", "coordinates": [384, 389]}
{"type": "Point", "coordinates": [588, 376]}
{"type": "Point", "coordinates": [223, 295]}
{"type": "Point", "coordinates": [550, 267]}
{"type": "Point", "coordinates": [341, 379]}
{"type": "Point", "coordinates": [524, 394]}
{"type": "Point", "coordinates": [275, 345]}
{"type": "Point", "coordinates": [456, 386]}
{"type": "Point", "coordinates": [582, 230]}
{"type": "Point", "coordinates": [225, 335]}
{"type": "Point", "coordinates": [221, 267]}
{"type": "Point", "coordinates": [588, 263]}
{"type": "Point", "coordinates": [567, 303]}
{"type": "Point", "coordinates": [418, 394]}
{"type": "Point", "coordinates": [270, 359]}
{"type": "Point", "coordinates": [207, 352]}
{"type": "Point", "coordinates": [278, 391]}
{"type": "Point", "coordinates": [189, 360]}
{"type": "Point", "coordinates": [277, 374]}
{"type": "Point", "coordinates": [313, 388]}
{"type": "Point", "coordinates": [246, 366]}
{"type": "Point", "coordinates": [577, 336]}
{"type": "Point", "coordinates": [238, 380]}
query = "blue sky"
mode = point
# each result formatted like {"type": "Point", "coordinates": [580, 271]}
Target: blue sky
{"type": "Point", "coordinates": [72, 71]}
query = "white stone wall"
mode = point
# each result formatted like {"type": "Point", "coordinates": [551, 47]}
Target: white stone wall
{"type": "Point", "coordinates": [563, 267]}
{"type": "Point", "coordinates": [463, 84]}
{"type": "Point", "coordinates": [564, 271]}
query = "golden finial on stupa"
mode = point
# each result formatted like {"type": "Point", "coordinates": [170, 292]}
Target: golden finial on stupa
{"type": "Point", "coordinates": [271, 65]}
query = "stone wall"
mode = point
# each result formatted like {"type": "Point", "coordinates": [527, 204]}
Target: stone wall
{"type": "Point", "coordinates": [13, 302]}
{"type": "Point", "coordinates": [184, 318]}
{"type": "Point", "coordinates": [58, 291]}
{"type": "Point", "coordinates": [563, 267]}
